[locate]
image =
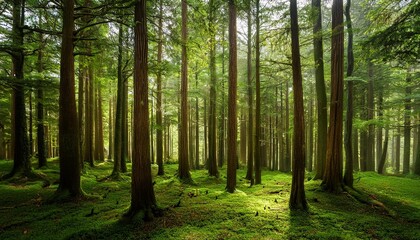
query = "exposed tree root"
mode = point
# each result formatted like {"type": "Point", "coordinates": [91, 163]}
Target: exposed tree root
{"type": "Point", "coordinates": [368, 199]}
{"type": "Point", "coordinates": [23, 177]}
{"type": "Point", "coordinates": [147, 214]}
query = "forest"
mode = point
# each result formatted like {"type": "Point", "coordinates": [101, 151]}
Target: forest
{"type": "Point", "coordinates": [210, 119]}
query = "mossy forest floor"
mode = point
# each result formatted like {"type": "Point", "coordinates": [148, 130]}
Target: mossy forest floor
{"type": "Point", "coordinates": [206, 211]}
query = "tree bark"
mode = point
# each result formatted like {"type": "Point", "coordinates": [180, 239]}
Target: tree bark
{"type": "Point", "coordinates": [348, 174]}
{"type": "Point", "coordinates": [159, 123]}
{"type": "Point", "coordinates": [142, 193]}
{"type": "Point", "coordinates": [257, 98]}
{"type": "Point", "coordinates": [183, 170]}
{"type": "Point", "coordinates": [20, 141]}
{"type": "Point", "coordinates": [68, 122]}
{"type": "Point", "coordinates": [370, 142]}
{"type": "Point", "coordinates": [381, 164]}
{"type": "Point", "coordinates": [250, 153]}
{"type": "Point", "coordinates": [407, 127]}
{"type": "Point", "coordinates": [297, 194]}
{"type": "Point", "coordinates": [232, 121]}
{"type": "Point", "coordinates": [320, 91]}
{"type": "Point", "coordinates": [333, 169]}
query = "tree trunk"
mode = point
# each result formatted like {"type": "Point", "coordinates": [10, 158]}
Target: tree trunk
{"type": "Point", "coordinates": [20, 142]}
{"type": "Point", "coordinates": [183, 170]}
{"type": "Point", "coordinates": [384, 151]}
{"type": "Point", "coordinates": [142, 193]}
{"type": "Point", "coordinates": [124, 125]}
{"type": "Point", "coordinates": [118, 112]}
{"type": "Point", "coordinates": [197, 130]}
{"type": "Point", "coordinates": [99, 132]}
{"type": "Point", "coordinates": [407, 127]}
{"type": "Point", "coordinates": [398, 151]}
{"type": "Point", "coordinates": [320, 92]}
{"type": "Point", "coordinates": [287, 158]}
{"type": "Point", "coordinates": [232, 121]}
{"type": "Point", "coordinates": [110, 126]}
{"type": "Point", "coordinates": [310, 142]}
{"type": "Point", "coordinates": [370, 142]}
{"type": "Point", "coordinates": [257, 98]}
{"type": "Point", "coordinates": [417, 155]}
{"type": "Point", "coordinates": [40, 130]}
{"type": "Point", "coordinates": [297, 194]}
{"type": "Point", "coordinates": [159, 135]}
{"type": "Point", "coordinates": [333, 169]}
{"type": "Point", "coordinates": [243, 139]}
{"type": "Point", "coordinates": [68, 122]}
{"type": "Point", "coordinates": [250, 156]}
{"type": "Point", "coordinates": [89, 103]}
{"type": "Point", "coordinates": [379, 128]}
{"type": "Point", "coordinates": [348, 174]}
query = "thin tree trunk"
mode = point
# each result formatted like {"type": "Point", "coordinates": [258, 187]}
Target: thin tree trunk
{"type": "Point", "coordinates": [407, 127]}
{"type": "Point", "coordinates": [384, 152]}
{"type": "Point", "coordinates": [398, 151]}
{"type": "Point", "coordinates": [250, 157]}
{"type": "Point", "coordinates": [257, 98]}
{"type": "Point", "coordinates": [159, 110]}
{"type": "Point", "coordinates": [232, 121]}
{"type": "Point", "coordinates": [348, 174]}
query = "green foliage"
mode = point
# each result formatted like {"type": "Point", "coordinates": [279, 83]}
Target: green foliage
{"type": "Point", "coordinates": [206, 211]}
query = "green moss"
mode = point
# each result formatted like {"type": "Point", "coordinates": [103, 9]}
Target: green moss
{"type": "Point", "coordinates": [207, 211]}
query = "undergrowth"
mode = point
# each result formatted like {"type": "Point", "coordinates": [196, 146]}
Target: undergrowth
{"type": "Point", "coordinates": [204, 210]}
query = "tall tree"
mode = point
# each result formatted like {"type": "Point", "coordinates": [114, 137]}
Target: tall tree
{"type": "Point", "coordinates": [142, 193]}
{"type": "Point", "coordinates": [20, 141]}
{"type": "Point", "coordinates": [159, 123]}
{"type": "Point", "coordinates": [333, 169]}
{"type": "Point", "coordinates": [40, 132]}
{"type": "Point", "coordinates": [183, 169]}
{"type": "Point", "coordinates": [257, 97]}
{"type": "Point", "coordinates": [407, 125]}
{"type": "Point", "coordinates": [68, 137]}
{"type": "Point", "coordinates": [250, 156]}
{"type": "Point", "coordinates": [212, 161]}
{"type": "Point", "coordinates": [232, 121]}
{"type": "Point", "coordinates": [348, 174]}
{"type": "Point", "coordinates": [297, 194]}
{"type": "Point", "coordinates": [320, 91]}
{"type": "Point", "coordinates": [118, 113]}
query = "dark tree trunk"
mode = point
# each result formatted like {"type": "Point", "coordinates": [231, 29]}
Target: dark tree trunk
{"type": "Point", "coordinates": [334, 166]}
{"type": "Point", "coordinates": [68, 122]}
{"type": "Point", "coordinates": [407, 127]}
{"type": "Point", "coordinates": [159, 135]}
{"type": "Point", "coordinates": [381, 164]}
{"type": "Point", "coordinates": [80, 105]}
{"type": "Point", "coordinates": [232, 121]}
{"type": "Point", "coordinates": [310, 142]}
{"type": "Point", "coordinates": [142, 193]}
{"type": "Point", "coordinates": [379, 128]}
{"type": "Point", "coordinates": [40, 130]}
{"type": "Point", "coordinates": [348, 174]}
{"type": "Point", "coordinates": [111, 126]}
{"type": "Point", "coordinates": [89, 150]}
{"type": "Point", "coordinates": [398, 151]}
{"type": "Point", "coordinates": [370, 142]}
{"type": "Point", "coordinates": [243, 138]}
{"type": "Point", "coordinates": [124, 125]}
{"type": "Point", "coordinates": [363, 132]}
{"type": "Point", "coordinates": [183, 170]}
{"type": "Point", "coordinates": [287, 158]}
{"type": "Point", "coordinates": [250, 158]}
{"type": "Point", "coordinates": [320, 92]}
{"type": "Point", "coordinates": [118, 112]}
{"type": "Point", "coordinates": [257, 98]}
{"type": "Point", "coordinates": [197, 130]}
{"type": "Point", "coordinates": [20, 142]}
{"type": "Point", "coordinates": [221, 133]}
{"type": "Point", "coordinates": [417, 155]}
{"type": "Point", "coordinates": [297, 194]}
{"type": "Point", "coordinates": [212, 161]}
{"type": "Point", "coordinates": [99, 122]}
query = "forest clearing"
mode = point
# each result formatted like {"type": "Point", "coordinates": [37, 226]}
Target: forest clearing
{"type": "Point", "coordinates": [206, 211]}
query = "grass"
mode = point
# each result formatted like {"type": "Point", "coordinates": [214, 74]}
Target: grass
{"type": "Point", "coordinates": [207, 211]}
